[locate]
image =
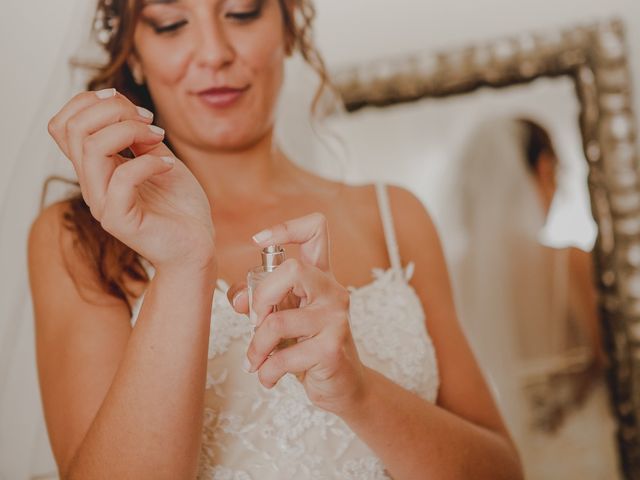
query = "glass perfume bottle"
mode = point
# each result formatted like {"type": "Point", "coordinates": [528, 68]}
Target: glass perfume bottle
{"type": "Point", "coordinates": [272, 256]}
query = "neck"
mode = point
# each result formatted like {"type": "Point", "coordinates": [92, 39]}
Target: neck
{"type": "Point", "coordinates": [241, 175]}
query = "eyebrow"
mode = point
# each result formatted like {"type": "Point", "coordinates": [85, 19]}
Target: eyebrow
{"type": "Point", "coordinates": [155, 2]}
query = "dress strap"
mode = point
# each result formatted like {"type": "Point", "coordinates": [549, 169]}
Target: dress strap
{"type": "Point", "coordinates": [146, 264]}
{"type": "Point", "coordinates": [387, 224]}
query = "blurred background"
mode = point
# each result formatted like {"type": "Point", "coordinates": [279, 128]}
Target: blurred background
{"type": "Point", "coordinates": [420, 145]}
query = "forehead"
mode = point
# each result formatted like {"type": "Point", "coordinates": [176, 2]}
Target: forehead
{"type": "Point", "coordinates": [144, 3]}
{"type": "Point", "coordinates": [170, 2]}
{"type": "Point", "coordinates": [158, 2]}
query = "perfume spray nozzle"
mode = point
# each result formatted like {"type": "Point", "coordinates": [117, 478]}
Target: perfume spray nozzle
{"type": "Point", "coordinates": [272, 256]}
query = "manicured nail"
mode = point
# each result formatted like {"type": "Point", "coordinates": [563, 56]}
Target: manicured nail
{"type": "Point", "coordinates": [235, 299]}
{"type": "Point", "coordinates": [246, 365]}
{"type": "Point", "coordinates": [144, 113]}
{"type": "Point", "coordinates": [262, 236]}
{"type": "Point", "coordinates": [157, 130]}
{"type": "Point", "coordinates": [106, 93]}
{"type": "Point", "coordinates": [168, 160]}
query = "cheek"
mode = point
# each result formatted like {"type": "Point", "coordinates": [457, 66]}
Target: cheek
{"type": "Point", "coordinates": [265, 59]}
{"type": "Point", "coordinates": [163, 64]}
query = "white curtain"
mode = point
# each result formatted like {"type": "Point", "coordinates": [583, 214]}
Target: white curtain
{"type": "Point", "coordinates": [33, 156]}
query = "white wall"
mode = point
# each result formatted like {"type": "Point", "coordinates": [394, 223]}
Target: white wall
{"type": "Point", "coordinates": [355, 31]}
{"type": "Point", "coordinates": [359, 29]}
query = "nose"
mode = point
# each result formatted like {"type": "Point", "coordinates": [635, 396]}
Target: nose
{"type": "Point", "coordinates": [213, 49]}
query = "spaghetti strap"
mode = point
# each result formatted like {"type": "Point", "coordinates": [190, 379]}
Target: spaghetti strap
{"type": "Point", "coordinates": [387, 224]}
{"type": "Point", "coordinates": [146, 264]}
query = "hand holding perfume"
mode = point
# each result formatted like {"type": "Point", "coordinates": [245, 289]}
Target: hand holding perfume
{"type": "Point", "coordinates": [272, 256]}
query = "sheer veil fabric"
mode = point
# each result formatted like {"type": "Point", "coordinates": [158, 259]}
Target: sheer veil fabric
{"type": "Point", "coordinates": [512, 290]}
{"type": "Point", "coordinates": [512, 294]}
{"type": "Point", "coordinates": [24, 446]}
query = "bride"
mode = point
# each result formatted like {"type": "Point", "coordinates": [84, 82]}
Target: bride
{"type": "Point", "coordinates": [140, 352]}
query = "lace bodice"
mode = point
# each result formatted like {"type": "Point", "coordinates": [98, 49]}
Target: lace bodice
{"type": "Point", "coordinates": [251, 432]}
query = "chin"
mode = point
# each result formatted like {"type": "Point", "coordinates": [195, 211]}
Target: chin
{"type": "Point", "coordinates": [233, 139]}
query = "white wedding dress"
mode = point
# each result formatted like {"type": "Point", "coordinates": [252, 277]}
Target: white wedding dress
{"type": "Point", "coordinates": [250, 432]}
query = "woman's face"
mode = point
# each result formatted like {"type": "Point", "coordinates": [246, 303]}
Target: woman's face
{"type": "Point", "coordinates": [214, 68]}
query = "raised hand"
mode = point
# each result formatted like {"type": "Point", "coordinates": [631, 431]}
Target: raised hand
{"type": "Point", "coordinates": [152, 202]}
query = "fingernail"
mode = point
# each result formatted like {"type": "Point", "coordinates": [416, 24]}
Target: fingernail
{"type": "Point", "coordinates": [106, 93]}
{"type": "Point", "coordinates": [144, 113]}
{"type": "Point", "coordinates": [262, 236]}
{"type": "Point", "coordinates": [168, 160]}
{"type": "Point", "coordinates": [235, 298]}
{"type": "Point", "coordinates": [157, 130]}
{"type": "Point", "coordinates": [246, 365]}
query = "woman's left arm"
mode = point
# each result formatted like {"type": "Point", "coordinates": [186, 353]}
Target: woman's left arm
{"type": "Point", "coordinates": [461, 437]}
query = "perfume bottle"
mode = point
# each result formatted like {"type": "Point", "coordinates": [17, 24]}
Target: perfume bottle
{"type": "Point", "coordinates": [272, 256]}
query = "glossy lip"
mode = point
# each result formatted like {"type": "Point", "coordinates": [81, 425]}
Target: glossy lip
{"type": "Point", "coordinates": [221, 97]}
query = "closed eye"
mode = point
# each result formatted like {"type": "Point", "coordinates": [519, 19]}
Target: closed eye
{"type": "Point", "coordinates": [172, 27]}
{"type": "Point", "coordinates": [245, 16]}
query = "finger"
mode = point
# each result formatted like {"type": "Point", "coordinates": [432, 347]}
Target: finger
{"type": "Point", "coordinates": [157, 149]}
{"type": "Point", "coordinates": [296, 359]}
{"type": "Point", "coordinates": [310, 231]}
{"type": "Point", "coordinates": [278, 326]}
{"type": "Point", "coordinates": [238, 297]}
{"type": "Point", "coordinates": [119, 214]}
{"type": "Point", "coordinates": [291, 277]}
{"type": "Point", "coordinates": [99, 158]}
{"type": "Point", "coordinates": [98, 116]}
{"type": "Point", "coordinates": [57, 124]}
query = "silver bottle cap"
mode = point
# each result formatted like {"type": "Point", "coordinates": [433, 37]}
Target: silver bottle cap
{"type": "Point", "coordinates": [272, 256]}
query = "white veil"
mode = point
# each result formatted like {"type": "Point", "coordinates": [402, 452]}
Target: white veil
{"type": "Point", "coordinates": [24, 447]}
{"type": "Point", "coordinates": [511, 291]}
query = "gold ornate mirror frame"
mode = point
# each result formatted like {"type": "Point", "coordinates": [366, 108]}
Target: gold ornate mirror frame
{"type": "Point", "coordinates": [595, 58]}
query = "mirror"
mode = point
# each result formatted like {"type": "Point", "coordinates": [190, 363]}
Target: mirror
{"type": "Point", "coordinates": [515, 211]}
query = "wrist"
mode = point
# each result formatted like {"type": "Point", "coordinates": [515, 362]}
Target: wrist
{"type": "Point", "coordinates": [359, 407]}
{"type": "Point", "coordinates": [194, 268]}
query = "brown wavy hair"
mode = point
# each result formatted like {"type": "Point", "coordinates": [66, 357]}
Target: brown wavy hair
{"type": "Point", "coordinates": [113, 261]}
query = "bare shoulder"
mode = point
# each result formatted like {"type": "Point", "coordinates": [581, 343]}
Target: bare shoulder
{"type": "Point", "coordinates": [361, 198]}
{"type": "Point", "coordinates": [415, 231]}
{"type": "Point", "coordinates": [52, 252]}
{"type": "Point", "coordinates": [62, 280]}
{"type": "Point", "coordinates": [411, 220]}
{"type": "Point", "coordinates": [53, 247]}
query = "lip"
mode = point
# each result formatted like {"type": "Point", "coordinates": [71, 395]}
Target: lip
{"type": "Point", "coordinates": [221, 97]}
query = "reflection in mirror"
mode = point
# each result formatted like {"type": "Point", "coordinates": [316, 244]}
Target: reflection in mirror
{"type": "Point", "coordinates": [530, 309]}
{"type": "Point", "coordinates": [503, 175]}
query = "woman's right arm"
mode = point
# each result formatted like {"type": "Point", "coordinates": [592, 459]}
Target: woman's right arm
{"type": "Point", "coordinates": [123, 403]}
{"type": "Point", "coordinates": [119, 403]}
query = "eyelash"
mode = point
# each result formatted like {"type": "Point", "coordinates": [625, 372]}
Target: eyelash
{"type": "Point", "coordinates": [170, 28]}
{"type": "Point", "coordinates": [245, 16]}
{"type": "Point", "coordinates": [241, 17]}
